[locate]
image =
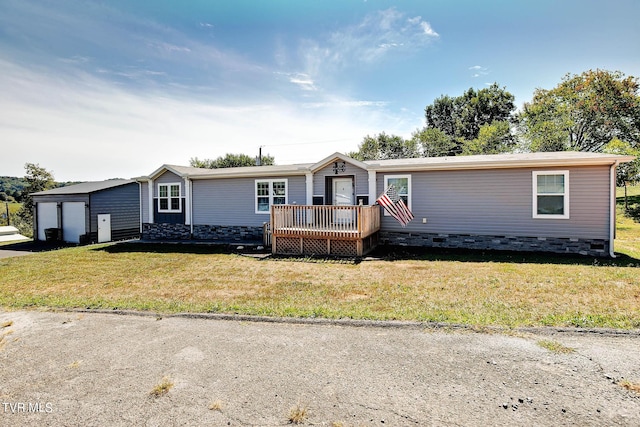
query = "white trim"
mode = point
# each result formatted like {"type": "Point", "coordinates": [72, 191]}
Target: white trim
{"type": "Point", "coordinates": [386, 184]}
{"type": "Point", "coordinates": [309, 188]}
{"type": "Point", "coordinates": [534, 185]}
{"type": "Point", "coordinates": [187, 201]}
{"type": "Point", "coordinates": [270, 195]}
{"type": "Point", "coordinates": [372, 187]}
{"type": "Point", "coordinates": [169, 197]}
{"type": "Point", "coordinates": [150, 202]}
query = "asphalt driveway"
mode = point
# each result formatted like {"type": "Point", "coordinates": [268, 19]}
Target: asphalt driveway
{"type": "Point", "coordinates": [85, 369]}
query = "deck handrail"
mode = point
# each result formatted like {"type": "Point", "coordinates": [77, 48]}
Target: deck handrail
{"type": "Point", "coordinates": [325, 220]}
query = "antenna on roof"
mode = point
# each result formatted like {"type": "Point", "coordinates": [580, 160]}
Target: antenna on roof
{"type": "Point", "coordinates": [259, 158]}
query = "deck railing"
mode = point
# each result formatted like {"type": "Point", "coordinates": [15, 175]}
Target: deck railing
{"type": "Point", "coordinates": [325, 221]}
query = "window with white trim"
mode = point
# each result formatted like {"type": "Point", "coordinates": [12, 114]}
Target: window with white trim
{"type": "Point", "coordinates": [402, 184]}
{"type": "Point", "coordinates": [270, 192]}
{"type": "Point", "coordinates": [169, 198]}
{"type": "Point", "coordinates": [551, 194]}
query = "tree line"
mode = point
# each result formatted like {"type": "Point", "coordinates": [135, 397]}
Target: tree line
{"type": "Point", "coordinates": [597, 111]}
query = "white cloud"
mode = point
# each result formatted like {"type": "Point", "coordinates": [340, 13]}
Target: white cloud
{"type": "Point", "coordinates": [370, 40]}
{"type": "Point", "coordinates": [85, 128]}
{"type": "Point", "coordinates": [479, 71]}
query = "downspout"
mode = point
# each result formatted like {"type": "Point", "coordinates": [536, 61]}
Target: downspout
{"type": "Point", "coordinates": [612, 208]}
{"type": "Point", "coordinates": [140, 204]}
{"type": "Point", "coordinates": [189, 187]}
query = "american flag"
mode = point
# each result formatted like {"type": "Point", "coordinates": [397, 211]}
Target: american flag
{"type": "Point", "coordinates": [394, 204]}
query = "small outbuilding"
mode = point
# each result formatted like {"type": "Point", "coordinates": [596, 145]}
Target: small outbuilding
{"type": "Point", "coordinates": [88, 212]}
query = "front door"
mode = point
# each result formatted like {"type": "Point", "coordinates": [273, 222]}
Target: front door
{"type": "Point", "coordinates": [104, 228]}
{"type": "Point", "coordinates": [343, 196]}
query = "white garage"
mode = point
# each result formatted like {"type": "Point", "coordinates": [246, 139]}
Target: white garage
{"type": "Point", "coordinates": [88, 212]}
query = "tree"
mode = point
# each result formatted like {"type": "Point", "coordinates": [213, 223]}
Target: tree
{"type": "Point", "coordinates": [493, 138]}
{"type": "Point", "coordinates": [37, 179]}
{"type": "Point", "coordinates": [583, 113]}
{"type": "Point", "coordinates": [462, 117]}
{"type": "Point", "coordinates": [434, 142]}
{"type": "Point", "coordinates": [383, 146]}
{"type": "Point", "coordinates": [230, 161]}
{"type": "Point", "coordinates": [626, 173]}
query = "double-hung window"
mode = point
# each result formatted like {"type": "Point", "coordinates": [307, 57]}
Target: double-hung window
{"type": "Point", "coordinates": [402, 185]}
{"type": "Point", "coordinates": [169, 198]}
{"type": "Point", "coordinates": [270, 192]}
{"type": "Point", "coordinates": [551, 194]}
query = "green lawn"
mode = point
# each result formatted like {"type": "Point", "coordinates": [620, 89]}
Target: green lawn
{"type": "Point", "coordinates": [472, 288]}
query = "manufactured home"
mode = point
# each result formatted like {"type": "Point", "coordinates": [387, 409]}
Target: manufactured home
{"type": "Point", "coordinates": [88, 212]}
{"type": "Point", "coordinates": [552, 202]}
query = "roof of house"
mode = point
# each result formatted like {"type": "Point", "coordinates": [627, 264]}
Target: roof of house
{"type": "Point", "coordinates": [85, 187]}
{"type": "Point", "coordinates": [490, 161]}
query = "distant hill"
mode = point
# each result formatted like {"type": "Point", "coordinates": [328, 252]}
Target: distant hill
{"type": "Point", "coordinates": [11, 187]}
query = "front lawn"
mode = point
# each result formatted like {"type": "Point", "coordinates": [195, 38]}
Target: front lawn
{"type": "Point", "coordinates": [473, 288]}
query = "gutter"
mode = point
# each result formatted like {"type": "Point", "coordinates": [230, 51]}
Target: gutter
{"type": "Point", "coordinates": [612, 207]}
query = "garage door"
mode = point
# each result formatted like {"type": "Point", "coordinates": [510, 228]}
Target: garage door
{"type": "Point", "coordinates": [73, 224]}
{"type": "Point", "coordinates": [47, 218]}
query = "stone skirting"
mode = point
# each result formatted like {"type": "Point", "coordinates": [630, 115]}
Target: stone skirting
{"type": "Point", "coordinates": [227, 233]}
{"type": "Point", "coordinates": [216, 233]}
{"type": "Point", "coordinates": [165, 231]}
{"type": "Point", "coordinates": [591, 247]}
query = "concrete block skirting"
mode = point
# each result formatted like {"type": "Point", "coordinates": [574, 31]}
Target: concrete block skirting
{"type": "Point", "coordinates": [216, 233]}
{"type": "Point", "coordinates": [591, 247]}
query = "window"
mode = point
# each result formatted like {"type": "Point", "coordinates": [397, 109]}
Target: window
{"type": "Point", "coordinates": [270, 192]}
{"type": "Point", "coordinates": [551, 194]}
{"type": "Point", "coordinates": [169, 199]}
{"type": "Point", "coordinates": [402, 184]}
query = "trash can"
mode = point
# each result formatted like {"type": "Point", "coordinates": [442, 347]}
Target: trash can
{"type": "Point", "coordinates": [52, 234]}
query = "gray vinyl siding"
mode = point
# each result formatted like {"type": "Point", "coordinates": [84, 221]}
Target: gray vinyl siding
{"type": "Point", "coordinates": [361, 179]}
{"type": "Point", "coordinates": [232, 201]}
{"type": "Point", "coordinates": [123, 204]}
{"type": "Point", "coordinates": [168, 178]}
{"type": "Point", "coordinates": [499, 202]}
{"type": "Point", "coordinates": [144, 201]}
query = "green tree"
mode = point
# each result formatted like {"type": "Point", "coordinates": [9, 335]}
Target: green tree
{"type": "Point", "coordinates": [583, 113]}
{"type": "Point", "coordinates": [462, 117]}
{"type": "Point", "coordinates": [493, 138]}
{"type": "Point", "coordinates": [37, 179]}
{"type": "Point", "coordinates": [383, 146]}
{"type": "Point", "coordinates": [434, 142]}
{"type": "Point", "coordinates": [229, 161]}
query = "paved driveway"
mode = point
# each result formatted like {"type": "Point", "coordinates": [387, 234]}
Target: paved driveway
{"type": "Point", "coordinates": [79, 369]}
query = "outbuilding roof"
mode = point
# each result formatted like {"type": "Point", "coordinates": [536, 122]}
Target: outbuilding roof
{"type": "Point", "coordinates": [85, 187]}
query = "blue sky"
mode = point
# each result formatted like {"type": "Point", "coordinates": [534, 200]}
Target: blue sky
{"type": "Point", "coordinates": [100, 89]}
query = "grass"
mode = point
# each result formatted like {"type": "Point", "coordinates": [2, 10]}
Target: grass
{"type": "Point", "coordinates": [161, 388]}
{"type": "Point", "coordinates": [297, 414]}
{"type": "Point", "coordinates": [555, 347]}
{"type": "Point", "coordinates": [216, 405]}
{"type": "Point", "coordinates": [472, 288]}
{"type": "Point", "coordinates": [634, 387]}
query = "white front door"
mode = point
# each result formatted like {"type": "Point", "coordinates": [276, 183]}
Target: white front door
{"type": "Point", "coordinates": [343, 196]}
{"type": "Point", "coordinates": [104, 228]}
{"type": "Point", "coordinates": [73, 221]}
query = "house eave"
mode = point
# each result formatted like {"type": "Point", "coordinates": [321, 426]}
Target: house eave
{"type": "Point", "coordinates": [501, 164]}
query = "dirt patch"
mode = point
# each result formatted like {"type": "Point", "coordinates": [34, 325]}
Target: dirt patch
{"type": "Point", "coordinates": [99, 369]}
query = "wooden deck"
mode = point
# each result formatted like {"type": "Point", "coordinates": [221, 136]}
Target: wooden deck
{"type": "Point", "coordinates": [324, 230]}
